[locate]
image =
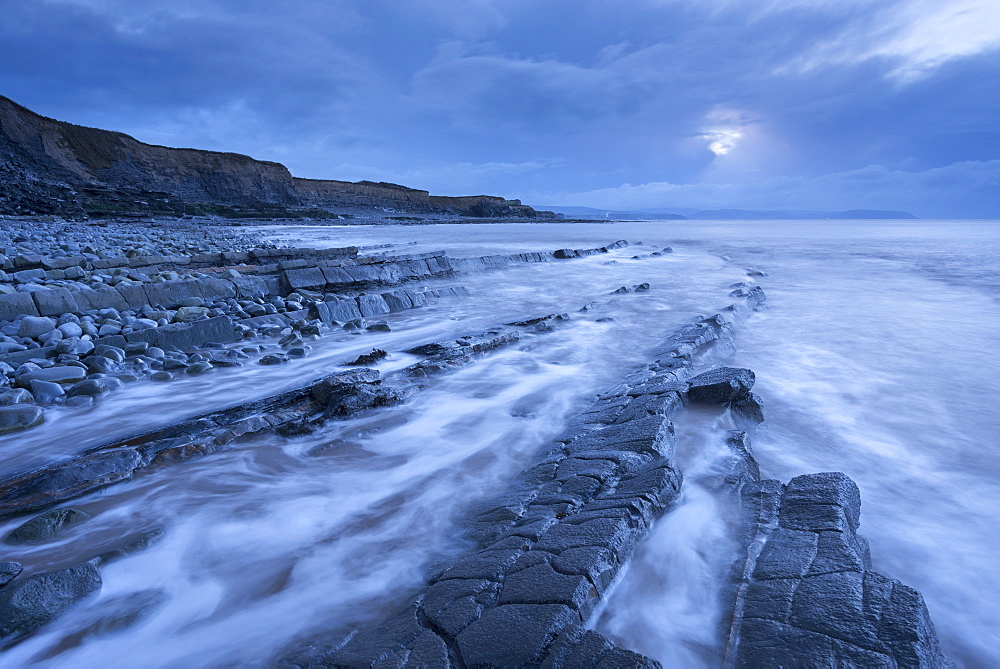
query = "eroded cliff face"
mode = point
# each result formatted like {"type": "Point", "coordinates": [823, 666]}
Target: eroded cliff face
{"type": "Point", "coordinates": [52, 167]}
{"type": "Point", "coordinates": [327, 193]}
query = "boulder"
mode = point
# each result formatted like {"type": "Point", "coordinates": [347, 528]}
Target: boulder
{"type": "Point", "coordinates": [54, 302]}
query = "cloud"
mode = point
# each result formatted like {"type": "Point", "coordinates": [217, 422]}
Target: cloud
{"type": "Point", "coordinates": [452, 178]}
{"type": "Point", "coordinates": [513, 96]}
{"type": "Point", "coordinates": [915, 36]}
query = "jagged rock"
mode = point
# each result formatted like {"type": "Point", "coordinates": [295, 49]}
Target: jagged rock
{"type": "Point", "coordinates": [369, 358]}
{"type": "Point", "coordinates": [720, 386]}
{"type": "Point", "coordinates": [747, 411]}
{"type": "Point", "coordinates": [9, 571]}
{"type": "Point", "coordinates": [810, 597]}
{"type": "Point", "coordinates": [28, 604]}
{"type": "Point", "coordinates": [42, 528]}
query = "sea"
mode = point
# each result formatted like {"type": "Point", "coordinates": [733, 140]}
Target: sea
{"type": "Point", "coordinates": [875, 355]}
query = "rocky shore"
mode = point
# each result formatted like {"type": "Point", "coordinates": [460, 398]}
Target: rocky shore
{"type": "Point", "coordinates": [88, 310]}
{"type": "Point", "coordinates": [109, 304]}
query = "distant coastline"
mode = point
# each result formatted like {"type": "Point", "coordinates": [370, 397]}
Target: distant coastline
{"type": "Point", "coordinates": [683, 214]}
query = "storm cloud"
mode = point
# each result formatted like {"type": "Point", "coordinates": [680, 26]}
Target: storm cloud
{"type": "Point", "coordinates": [640, 104]}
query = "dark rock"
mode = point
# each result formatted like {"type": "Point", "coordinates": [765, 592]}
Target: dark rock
{"type": "Point", "coordinates": [369, 358]}
{"type": "Point", "coordinates": [747, 411]}
{"type": "Point", "coordinates": [273, 359]}
{"type": "Point", "coordinates": [54, 483]}
{"type": "Point", "coordinates": [487, 641]}
{"type": "Point", "coordinates": [720, 386]}
{"type": "Point", "coordinates": [42, 528]}
{"type": "Point", "coordinates": [827, 501]}
{"type": "Point", "coordinates": [29, 604]}
{"type": "Point", "coordinates": [810, 597]}
{"type": "Point", "coordinates": [54, 302]}
{"type": "Point", "coordinates": [372, 305]}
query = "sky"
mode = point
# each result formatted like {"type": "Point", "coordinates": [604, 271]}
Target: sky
{"type": "Point", "coordinates": [613, 104]}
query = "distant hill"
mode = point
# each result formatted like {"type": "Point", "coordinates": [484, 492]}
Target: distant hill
{"type": "Point", "coordinates": [52, 167]}
{"type": "Point", "coordinates": [725, 214]}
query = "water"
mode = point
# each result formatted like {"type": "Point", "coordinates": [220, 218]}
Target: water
{"type": "Point", "coordinates": [875, 356]}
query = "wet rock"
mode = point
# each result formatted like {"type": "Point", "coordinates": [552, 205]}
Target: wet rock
{"type": "Point", "coordinates": [56, 374]}
{"type": "Point", "coordinates": [10, 396]}
{"type": "Point", "coordinates": [199, 367]}
{"type": "Point", "coordinates": [369, 358]}
{"type": "Point", "coordinates": [42, 528]}
{"type": "Point", "coordinates": [9, 571]}
{"type": "Point", "coordinates": [188, 314]}
{"type": "Point", "coordinates": [63, 480]}
{"type": "Point", "coordinates": [720, 386]}
{"type": "Point", "coordinates": [379, 326]}
{"type": "Point", "coordinates": [747, 411]}
{"type": "Point", "coordinates": [810, 598]}
{"type": "Point", "coordinates": [273, 359]}
{"type": "Point", "coordinates": [98, 364]}
{"type": "Point", "coordinates": [28, 604]}
{"type": "Point", "coordinates": [161, 376]}
{"type": "Point", "coordinates": [94, 387]}
{"type": "Point", "coordinates": [20, 417]}
{"type": "Point", "coordinates": [46, 391]}
{"type": "Point", "coordinates": [487, 641]}
{"type": "Point", "coordinates": [75, 346]}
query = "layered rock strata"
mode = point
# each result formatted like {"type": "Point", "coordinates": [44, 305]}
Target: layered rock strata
{"type": "Point", "coordinates": [808, 596]}
{"type": "Point", "coordinates": [69, 341]}
{"type": "Point", "coordinates": [804, 594]}
{"type": "Point", "coordinates": [549, 549]}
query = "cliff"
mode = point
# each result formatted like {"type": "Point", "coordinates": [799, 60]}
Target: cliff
{"type": "Point", "coordinates": [52, 167]}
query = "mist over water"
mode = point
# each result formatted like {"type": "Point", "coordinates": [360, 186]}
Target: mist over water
{"type": "Point", "coordinates": [875, 356]}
